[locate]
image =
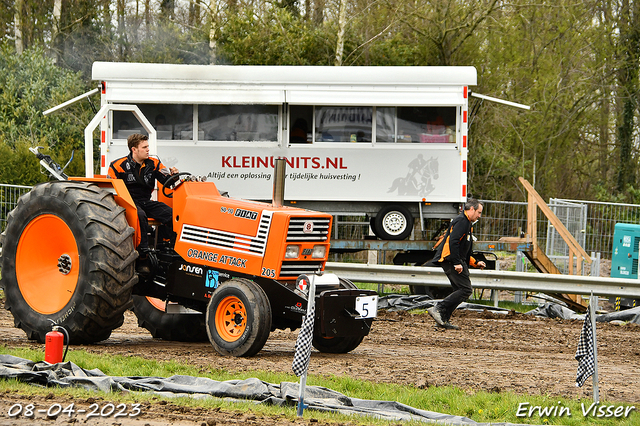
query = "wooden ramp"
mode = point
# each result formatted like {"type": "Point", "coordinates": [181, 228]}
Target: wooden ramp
{"type": "Point", "coordinates": [543, 264]}
{"type": "Point", "coordinates": [541, 261]}
{"type": "Point", "coordinates": [538, 257]}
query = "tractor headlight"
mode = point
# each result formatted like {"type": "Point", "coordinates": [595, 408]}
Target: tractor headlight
{"type": "Point", "coordinates": [292, 252]}
{"type": "Point", "coordinates": [319, 252]}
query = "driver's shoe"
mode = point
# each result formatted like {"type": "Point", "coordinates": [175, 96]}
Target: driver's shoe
{"type": "Point", "coordinates": [435, 314]}
{"type": "Point", "coordinates": [146, 262]}
{"type": "Point", "coordinates": [448, 326]}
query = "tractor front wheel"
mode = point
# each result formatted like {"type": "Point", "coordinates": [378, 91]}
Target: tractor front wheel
{"type": "Point", "coordinates": [68, 258]}
{"type": "Point", "coordinates": [238, 318]}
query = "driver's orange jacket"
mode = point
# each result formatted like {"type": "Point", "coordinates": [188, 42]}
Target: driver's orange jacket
{"type": "Point", "coordinates": [457, 245]}
{"type": "Point", "coordinates": [140, 179]}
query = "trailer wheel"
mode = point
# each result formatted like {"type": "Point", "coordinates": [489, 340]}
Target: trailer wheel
{"type": "Point", "coordinates": [68, 258]}
{"type": "Point", "coordinates": [394, 222]}
{"type": "Point", "coordinates": [238, 318]}
{"type": "Point", "coordinates": [337, 345]}
{"type": "Point", "coordinates": [170, 327]}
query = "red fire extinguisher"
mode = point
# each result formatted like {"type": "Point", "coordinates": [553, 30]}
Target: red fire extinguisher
{"type": "Point", "coordinates": [53, 345]}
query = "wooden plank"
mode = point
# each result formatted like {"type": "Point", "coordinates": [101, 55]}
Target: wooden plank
{"type": "Point", "coordinates": [562, 230]}
{"type": "Point", "coordinates": [543, 264]}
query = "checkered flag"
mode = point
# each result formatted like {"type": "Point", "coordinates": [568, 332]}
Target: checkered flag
{"type": "Point", "coordinates": [303, 344]}
{"type": "Point", "coordinates": [585, 354]}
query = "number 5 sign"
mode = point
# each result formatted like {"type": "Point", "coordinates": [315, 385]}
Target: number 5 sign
{"type": "Point", "coordinates": [367, 306]}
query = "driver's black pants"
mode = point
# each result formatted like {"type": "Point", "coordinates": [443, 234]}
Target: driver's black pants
{"type": "Point", "coordinates": [461, 289]}
{"type": "Point", "coordinates": [158, 211]}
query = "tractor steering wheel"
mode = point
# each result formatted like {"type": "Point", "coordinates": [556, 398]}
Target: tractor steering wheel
{"type": "Point", "coordinates": [172, 183]}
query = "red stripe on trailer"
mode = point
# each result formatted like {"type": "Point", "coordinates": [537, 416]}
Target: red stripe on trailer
{"type": "Point", "coordinates": [464, 116]}
{"type": "Point", "coordinates": [464, 141]}
{"type": "Point", "coordinates": [103, 161]}
{"type": "Point", "coordinates": [102, 136]}
{"type": "Point", "coordinates": [464, 190]}
{"type": "Point", "coordinates": [104, 87]}
{"type": "Point", "coordinates": [465, 91]}
{"type": "Point", "coordinates": [464, 166]}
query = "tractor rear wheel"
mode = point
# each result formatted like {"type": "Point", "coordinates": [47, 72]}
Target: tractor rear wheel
{"type": "Point", "coordinates": [337, 345]}
{"type": "Point", "coordinates": [172, 327]}
{"type": "Point", "coordinates": [238, 318]}
{"type": "Point", "coordinates": [68, 258]}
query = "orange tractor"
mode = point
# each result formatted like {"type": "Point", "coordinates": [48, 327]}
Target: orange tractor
{"type": "Point", "coordinates": [68, 259]}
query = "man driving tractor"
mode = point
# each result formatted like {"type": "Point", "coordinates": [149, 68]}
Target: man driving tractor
{"type": "Point", "coordinates": [139, 173]}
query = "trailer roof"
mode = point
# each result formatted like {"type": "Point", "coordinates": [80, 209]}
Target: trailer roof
{"type": "Point", "coordinates": [257, 74]}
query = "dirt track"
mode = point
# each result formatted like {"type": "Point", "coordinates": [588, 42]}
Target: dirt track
{"type": "Point", "coordinates": [491, 352]}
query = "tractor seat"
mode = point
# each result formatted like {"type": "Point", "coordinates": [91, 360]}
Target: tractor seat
{"type": "Point", "coordinates": [153, 222]}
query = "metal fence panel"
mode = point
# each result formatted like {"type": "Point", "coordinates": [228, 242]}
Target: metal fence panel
{"type": "Point", "coordinates": [9, 195]}
{"type": "Point", "coordinates": [601, 221]}
{"type": "Point", "coordinates": [595, 235]}
{"type": "Point", "coordinates": [574, 217]}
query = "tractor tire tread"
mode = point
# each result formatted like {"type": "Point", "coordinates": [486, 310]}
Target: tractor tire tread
{"type": "Point", "coordinates": [105, 243]}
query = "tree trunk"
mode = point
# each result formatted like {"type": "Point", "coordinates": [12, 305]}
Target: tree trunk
{"type": "Point", "coordinates": [121, 29]}
{"type": "Point", "coordinates": [341, 24]}
{"type": "Point", "coordinates": [307, 9]}
{"type": "Point", "coordinates": [628, 92]}
{"type": "Point", "coordinates": [194, 12]}
{"type": "Point", "coordinates": [318, 11]}
{"type": "Point", "coordinates": [147, 15]}
{"type": "Point", "coordinates": [106, 17]}
{"type": "Point", "coordinates": [56, 52]}
{"type": "Point", "coordinates": [17, 22]}
{"type": "Point", "coordinates": [167, 9]}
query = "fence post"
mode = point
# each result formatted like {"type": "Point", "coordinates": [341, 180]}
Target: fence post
{"type": "Point", "coordinates": [517, 295]}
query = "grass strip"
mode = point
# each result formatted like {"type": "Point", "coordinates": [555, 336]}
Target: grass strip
{"type": "Point", "coordinates": [479, 406]}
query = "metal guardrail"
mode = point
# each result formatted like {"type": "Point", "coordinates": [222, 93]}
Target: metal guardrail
{"type": "Point", "coordinates": [402, 245]}
{"type": "Point", "coordinates": [488, 279]}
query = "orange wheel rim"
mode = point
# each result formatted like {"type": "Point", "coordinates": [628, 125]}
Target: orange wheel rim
{"type": "Point", "coordinates": [231, 318]}
{"type": "Point", "coordinates": [47, 264]}
{"type": "Point", "coordinates": [157, 303]}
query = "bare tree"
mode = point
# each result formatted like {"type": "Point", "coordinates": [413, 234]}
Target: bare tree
{"type": "Point", "coordinates": [447, 24]}
{"type": "Point", "coordinates": [318, 11]}
{"type": "Point", "coordinates": [147, 15]}
{"type": "Point", "coordinates": [167, 10]}
{"type": "Point", "coordinates": [122, 31]}
{"type": "Point", "coordinates": [55, 31]}
{"type": "Point", "coordinates": [342, 22]}
{"type": "Point", "coordinates": [628, 90]}
{"type": "Point", "coordinates": [17, 25]}
{"type": "Point", "coordinates": [194, 12]}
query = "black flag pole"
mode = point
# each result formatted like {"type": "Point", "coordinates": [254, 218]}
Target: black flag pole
{"type": "Point", "coordinates": [587, 352]}
{"type": "Point", "coordinates": [593, 302]}
{"type": "Point", "coordinates": [304, 341]}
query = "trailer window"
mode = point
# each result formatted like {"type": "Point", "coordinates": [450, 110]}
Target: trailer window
{"type": "Point", "coordinates": [238, 122]}
{"type": "Point", "coordinates": [343, 124]}
{"type": "Point", "coordinates": [300, 125]}
{"type": "Point", "coordinates": [385, 124]}
{"type": "Point", "coordinates": [426, 124]}
{"type": "Point", "coordinates": [169, 120]}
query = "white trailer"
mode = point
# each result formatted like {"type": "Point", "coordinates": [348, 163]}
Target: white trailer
{"type": "Point", "coordinates": [389, 142]}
